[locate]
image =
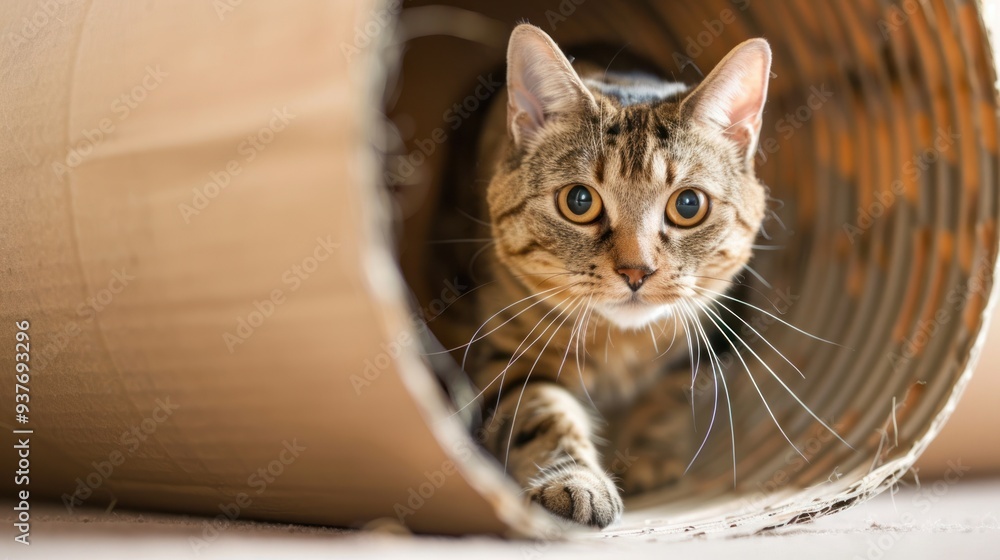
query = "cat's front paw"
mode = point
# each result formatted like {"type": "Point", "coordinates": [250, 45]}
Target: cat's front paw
{"type": "Point", "coordinates": [578, 494]}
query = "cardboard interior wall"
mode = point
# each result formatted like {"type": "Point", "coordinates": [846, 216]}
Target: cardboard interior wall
{"type": "Point", "coordinates": [192, 223]}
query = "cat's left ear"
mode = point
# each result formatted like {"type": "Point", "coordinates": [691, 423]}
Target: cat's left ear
{"type": "Point", "coordinates": [541, 83]}
{"type": "Point", "coordinates": [732, 96]}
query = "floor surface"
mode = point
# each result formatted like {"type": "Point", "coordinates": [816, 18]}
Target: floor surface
{"type": "Point", "coordinates": [937, 520]}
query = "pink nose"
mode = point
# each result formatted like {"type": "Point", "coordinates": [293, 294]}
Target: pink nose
{"type": "Point", "coordinates": [635, 276]}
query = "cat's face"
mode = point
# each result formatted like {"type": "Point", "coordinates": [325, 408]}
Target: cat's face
{"type": "Point", "coordinates": [630, 207]}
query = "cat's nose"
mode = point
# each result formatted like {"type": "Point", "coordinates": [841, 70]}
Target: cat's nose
{"type": "Point", "coordinates": [635, 276]}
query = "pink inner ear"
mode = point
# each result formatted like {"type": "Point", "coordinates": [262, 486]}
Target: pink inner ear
{"type": "Point", "coordinates": [529, 104]}
{"type": "Point", "coordinates": [541, 82]}
{"type": "Point", "coordinates": [742, 134]}
{"type": "Point", "coordinates": [743, 112]}
{"type": "Point", "coordinates": [746, 102]}
{"type": "Point", "coordinates": [734, 93]}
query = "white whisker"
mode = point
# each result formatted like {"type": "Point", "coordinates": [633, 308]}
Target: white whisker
{"type": "Point", "coordinates": [586, 326]}
{"type": "Point", "coordinates": [758, 276]}
{"type": "Point", "coordinates": [673, 337]}
{"type": "Point", "coordinates": [752, 380]}
{"type": "Point", "coordinates": [527, 377]}
{"type": "Point", "coordinates": [715, 402]}
{"type": "Point", "coordinates": [777, 378]}
{"type": "Point", "coordinates": [729, 403]}
{"type": "Point", "coordinates": [569, 344]}
{"type": "Point", "coordinates": [775, 317]}
{"type": "Point", "coordinates": [494, 380]}
{"type": "Point", "coordinates": [761, 336]}
{"type": "Point", "coordinates": [486, 322]}
{"type": "Point", "coordinates": [473, 218]}
{"type": "Point", "coordinates": [777, 219]}
{"type": "Point", "coordinates": [515, 356]}
{"type": "Point", "coordinates": [606, 342]}
{"type": "Point", "coordinates": [587, 312]}
{"type": "Point", "coordinates": [687, 336]}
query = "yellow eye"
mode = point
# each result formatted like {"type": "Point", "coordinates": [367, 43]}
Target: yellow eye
{"type": "Point", "coordinates": [580, 204]}
{"type": "Point", "coordinates": [687, 208]}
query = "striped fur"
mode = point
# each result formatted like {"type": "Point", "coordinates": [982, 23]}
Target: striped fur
{"type": "Point", "coordinates": [571, 360]}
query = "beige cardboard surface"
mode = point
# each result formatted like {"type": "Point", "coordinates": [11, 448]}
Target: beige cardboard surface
{"type": "Point", "coordinates": [185, 223]}
{"type": "Point", "coordinates": [190, 222]}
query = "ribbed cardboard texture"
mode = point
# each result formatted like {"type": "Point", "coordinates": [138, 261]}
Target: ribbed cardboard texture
{"type": "Point", "coordinates": [194, 224]}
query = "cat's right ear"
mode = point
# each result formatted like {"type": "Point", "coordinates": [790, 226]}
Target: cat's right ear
{"type": "Point", "coordinates": [541, 83]}
{"type": "Point", "coordinates": [732, 96]}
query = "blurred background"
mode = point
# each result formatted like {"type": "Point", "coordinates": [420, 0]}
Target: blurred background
{"type": "Point", "coordinates": [971, 433]}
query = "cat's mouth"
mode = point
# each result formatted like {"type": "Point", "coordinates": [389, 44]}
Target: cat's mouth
{"type": "Point", "coordinates": [633, 312]}
{"type": "Point", "coordinates": [635, 300]}
{"type": "Point", "coordinates": [639, 300]}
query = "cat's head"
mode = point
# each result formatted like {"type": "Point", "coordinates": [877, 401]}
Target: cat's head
{"type": "Point", "coordinates": [621, 191]}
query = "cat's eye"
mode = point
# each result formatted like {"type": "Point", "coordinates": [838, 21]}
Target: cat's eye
{"type": "Point", "coordinates": [687, 208]}
{"type": "Point", "coordinates": [579, 204]}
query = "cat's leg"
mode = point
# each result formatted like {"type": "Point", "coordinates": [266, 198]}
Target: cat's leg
{"type": "Point", "coordinates": [548, 448]}
{"type": "Point", "coordinates": [654, 441]}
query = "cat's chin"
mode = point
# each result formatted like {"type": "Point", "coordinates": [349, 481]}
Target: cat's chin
{"type": "Point", "coordinates": [633, 316]}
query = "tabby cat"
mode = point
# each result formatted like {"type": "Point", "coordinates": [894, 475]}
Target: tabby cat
{"type": "Point", "coordinates": [618, 204]}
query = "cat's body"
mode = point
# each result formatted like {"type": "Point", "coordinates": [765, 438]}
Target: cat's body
{"type": "Point", "coordinates": [616, 203]}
